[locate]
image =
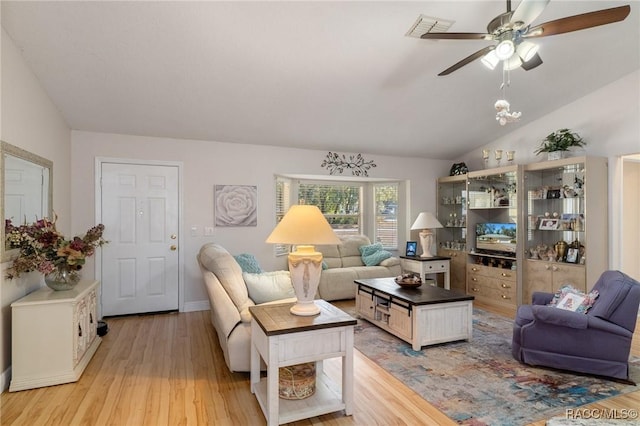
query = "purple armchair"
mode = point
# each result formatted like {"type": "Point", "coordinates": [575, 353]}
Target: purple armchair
{"type": "Point", "coordinates": [597, 342]}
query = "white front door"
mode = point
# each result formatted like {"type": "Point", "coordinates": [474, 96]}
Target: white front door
{"type": "Point", "coordinates": [140, 264]}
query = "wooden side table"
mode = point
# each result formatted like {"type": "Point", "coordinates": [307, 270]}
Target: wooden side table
{"type": "Point", "coordinates": [428, 265]}
{"type": "Point", "coordinates": [281, 339]}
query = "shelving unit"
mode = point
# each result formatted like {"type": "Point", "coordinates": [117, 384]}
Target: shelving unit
{"type": "Point", "coordinates": [566, 223]}
{"type": "Point", "coordinates": [557, 206]}
{"type": "Point", "coordinates": [492, 273]}
{"type": "Point", "coordinates": [452, 238]}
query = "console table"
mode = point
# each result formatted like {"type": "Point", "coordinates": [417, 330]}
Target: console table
{"type": "Point", "coordinates": [421, 316]}
{"type": "Point", "coordinates": [281, 338]}
{"type": "Point", "coordinates": [428, 265]}
{"type": "Point", "coordinates": [54, 336]}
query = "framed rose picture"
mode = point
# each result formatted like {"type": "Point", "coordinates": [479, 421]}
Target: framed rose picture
{"type": "Point", "coordinates": [411, 248]}
{"type": "Point", "coordinates": [235, 205]}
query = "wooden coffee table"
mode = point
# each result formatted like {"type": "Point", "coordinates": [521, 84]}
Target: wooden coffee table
{"type": "Point", "coordinates": [281, 338]}
{"type": "Point", "coordinates": [421, 316]}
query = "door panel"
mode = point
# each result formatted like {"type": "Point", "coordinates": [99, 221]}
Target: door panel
{"type": "Point", "coordinates": [140, 214]}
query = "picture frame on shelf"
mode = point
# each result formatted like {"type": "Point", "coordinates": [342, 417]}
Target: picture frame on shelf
{"type": "Point", "coordinates": [548, 224]}
{"type": "Point", "coordinates": [573, 254]}
{"type": "Point", "coordinates": [554, 193]}
{"type": "Point", "coordinates": [412, 246]}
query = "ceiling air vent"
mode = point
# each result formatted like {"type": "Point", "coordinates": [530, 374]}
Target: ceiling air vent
{"type": "Point", "coordinates": [428, 24]}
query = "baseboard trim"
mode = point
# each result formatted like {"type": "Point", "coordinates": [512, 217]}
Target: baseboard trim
{"type": "Point", "coordinates": [200, 305]}
{"type": "Point", "coordinates": [5, 378]}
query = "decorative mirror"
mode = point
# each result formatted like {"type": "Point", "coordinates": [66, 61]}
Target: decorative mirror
{"type": "Point", "coordinates": [26, 180]}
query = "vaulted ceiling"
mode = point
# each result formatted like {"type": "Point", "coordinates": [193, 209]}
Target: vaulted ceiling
{"type": "Point", "coordinates": [336, 76]}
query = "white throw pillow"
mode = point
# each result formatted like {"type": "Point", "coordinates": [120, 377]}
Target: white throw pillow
{"type": "Point", "coordinates": [269, 286]}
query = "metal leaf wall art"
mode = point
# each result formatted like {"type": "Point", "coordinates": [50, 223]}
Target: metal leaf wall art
{"type": "Point", "coordinates": [337, 163]}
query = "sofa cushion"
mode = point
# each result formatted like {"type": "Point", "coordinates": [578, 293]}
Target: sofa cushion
{"type": "Point", "coordinates": [392, 261]}
{"type": "Point", "coordinates": [248, 263]}
{"type": "Point", "coordinates": [373, 254]}
{"type": "Point", "coordinates": [218, 260]}
{"type": "Point", "coordinates": [269, 286]}
{"type": "Point", "coordinates": [351, 245]}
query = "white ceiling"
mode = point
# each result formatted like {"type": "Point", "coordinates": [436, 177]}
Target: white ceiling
{"type": "Point", "coordinates": [336, 76]}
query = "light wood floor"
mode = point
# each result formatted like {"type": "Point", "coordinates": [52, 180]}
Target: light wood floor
{"type": "Point", "coordinates": [169, 370]}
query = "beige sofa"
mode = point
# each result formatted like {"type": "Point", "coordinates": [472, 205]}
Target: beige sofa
{"type": "Point", "coordinates": [229, 297]}
{"type": "Point", "coordinates": [344, 265]}
{"type": "Point", "coordinates": [229, 300]}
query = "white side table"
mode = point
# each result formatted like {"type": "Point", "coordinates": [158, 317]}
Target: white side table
{"type": "Point", "coordinates": [280, 339]}
{"type": "Point", "coordinates": [428, 265]}
{"type": "Point", "coordinates": [54, 335]}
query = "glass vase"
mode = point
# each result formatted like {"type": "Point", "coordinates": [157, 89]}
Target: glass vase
{"type": "Point", "coordinates": [62, 279]}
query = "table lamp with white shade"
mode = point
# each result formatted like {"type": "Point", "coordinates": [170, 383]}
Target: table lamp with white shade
{"type": "Point", "coordinates": [426, 221]}
{"type": "Point", "coordinates": [304, 226]}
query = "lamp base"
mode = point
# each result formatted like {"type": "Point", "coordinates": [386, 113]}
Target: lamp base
{"type": "Point", "coordinates": [426, 241]}
{"type": "Point", "coordinates": [305, 309]}
{"type": "Point", "coordinates": [305, 266]}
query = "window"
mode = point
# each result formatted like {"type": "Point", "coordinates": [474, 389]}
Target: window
{"type": "Point", "coordinates": [339, 202]}
{"type": "Point", "coordinates": [283, 202]}
{"type": "Point", "coordinates": [351, 207]}
{"type": "Point", "coordinates": [386, 217]}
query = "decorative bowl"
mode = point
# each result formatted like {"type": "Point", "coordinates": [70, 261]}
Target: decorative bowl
{"type": "Point", "coordinates": [408, 282]}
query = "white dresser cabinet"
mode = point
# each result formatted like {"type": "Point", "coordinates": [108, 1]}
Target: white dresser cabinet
{"type": "Point", "coordinates": [54, 336]}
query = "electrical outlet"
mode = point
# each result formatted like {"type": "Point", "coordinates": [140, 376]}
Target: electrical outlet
{"type": "Point", "coordinates": [208, 231]}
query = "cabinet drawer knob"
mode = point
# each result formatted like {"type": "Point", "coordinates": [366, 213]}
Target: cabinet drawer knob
{"type": "Point", "coordinates": [475, 269]}
{"type": "Point", "coordinates": [474, 279]}
{"type": "Point", "coordinates": [505, 286]}
{"type": "Point", "coordinates": [505, 297]}
{"type": "Point", "coordinates": [504, 274]}
{"type": "Point", "coordinates": [475, 289]}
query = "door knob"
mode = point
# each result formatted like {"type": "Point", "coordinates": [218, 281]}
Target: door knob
{"type": "Point", "coordinates": [174, 236]}
{"type": "Point", "coordinates": [174, 248]}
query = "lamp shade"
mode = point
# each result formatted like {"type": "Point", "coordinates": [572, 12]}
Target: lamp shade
{"type": "Point", "coordinates": [303, 224]}
{"type": "Point", "coordinates": [426, 220]}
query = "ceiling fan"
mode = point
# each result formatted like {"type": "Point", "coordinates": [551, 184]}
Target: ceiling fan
{"type": "Point", "coordinates": [512, 29]}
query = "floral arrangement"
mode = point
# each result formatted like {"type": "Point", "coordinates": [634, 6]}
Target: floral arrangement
{"type": "Point", "coordinates": [42, 248]}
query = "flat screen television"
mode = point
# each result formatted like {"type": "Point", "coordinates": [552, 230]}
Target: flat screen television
{"type": "Point", "coordinates": [496, 237]}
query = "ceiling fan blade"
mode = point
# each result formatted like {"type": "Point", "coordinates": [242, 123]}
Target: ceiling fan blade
{"type": "Point", "coordinates": [528, 10]}
{"type": "Point", "coordinates": [467, 60]}
{"type": "Point", "coordinates": [456, 36]}
{"type": "Point", "coordinates": [532, 63]}
{"type": "Point", "coordinates": [579, 22]}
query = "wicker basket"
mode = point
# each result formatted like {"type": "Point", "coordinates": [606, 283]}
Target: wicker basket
{"type": "Point", "coordinates": [297, 381]}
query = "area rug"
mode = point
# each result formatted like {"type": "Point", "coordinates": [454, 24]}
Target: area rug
{"type": "Point", "coordinates": [478, 382]}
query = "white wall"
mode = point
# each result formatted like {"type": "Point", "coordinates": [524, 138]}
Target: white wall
{"type": "Point", "coordinates": [630, 224]}
{"type": "Point", "coordinates": [609, 121]}
{"type": "Point", "coordinates": [209, 163]}
{"type": "Point", "coordinates": [32, 122]}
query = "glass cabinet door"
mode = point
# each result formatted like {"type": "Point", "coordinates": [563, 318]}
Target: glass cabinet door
{"type": "Point", "coordinates": [556, 214]}
{"type": "Point", "coordinates": [452, 212]}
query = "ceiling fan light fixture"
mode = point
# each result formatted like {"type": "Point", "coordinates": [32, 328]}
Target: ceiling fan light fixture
{"type": "Point", "coordinates": [527, 50]}
{"type": "Point", "coordinates": [504, 49]}
{"type": "Point", "coordinates": [512, 63]}
{"type": "Point", "coordinates": [490, 60]}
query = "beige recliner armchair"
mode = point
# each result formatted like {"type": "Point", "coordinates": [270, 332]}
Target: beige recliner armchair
{"type": "Point", "coordinates": [229, 300]}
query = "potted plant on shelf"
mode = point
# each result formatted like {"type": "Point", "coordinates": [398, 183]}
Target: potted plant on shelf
{"type": "Point", "coordinates": [559, 142]}
{"type": "Point", "coordinates": [41, 247]}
